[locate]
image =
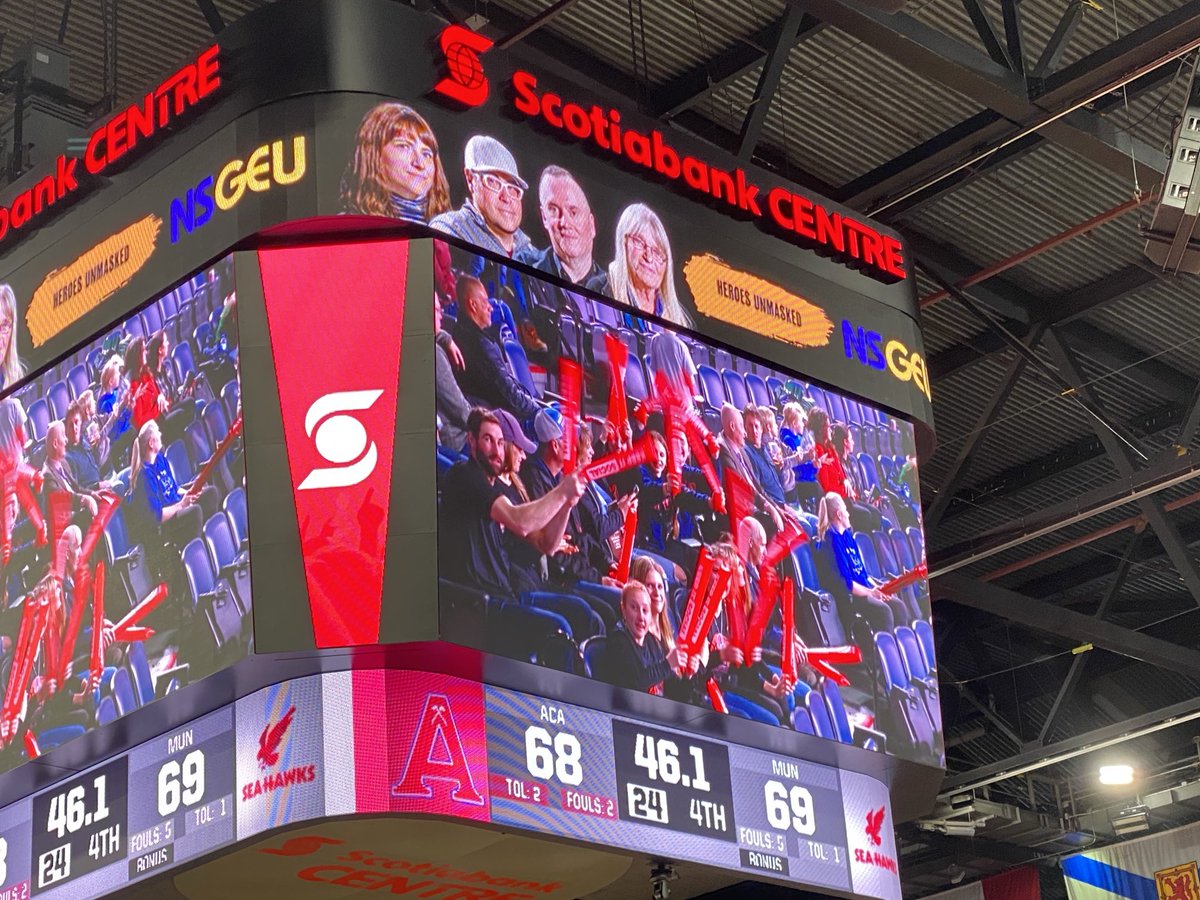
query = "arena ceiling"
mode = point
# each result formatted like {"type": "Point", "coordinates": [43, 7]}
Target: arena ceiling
{"type": "Point", "coordinates": [1020, 146]}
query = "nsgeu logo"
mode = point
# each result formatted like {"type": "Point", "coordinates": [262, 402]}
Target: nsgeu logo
{"type": "Point", "coordinates": [465, 81]}
{"type": "Point", "coordinates": [340, 439]}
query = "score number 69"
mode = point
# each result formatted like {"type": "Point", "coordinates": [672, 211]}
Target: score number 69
{"type": "Point", "coordinates": [790, 808]}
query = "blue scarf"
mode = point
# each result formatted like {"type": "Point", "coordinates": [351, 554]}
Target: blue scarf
{"type": "Point", "coordinates": [409, 210]}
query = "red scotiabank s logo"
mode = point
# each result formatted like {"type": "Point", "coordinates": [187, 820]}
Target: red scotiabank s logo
{"type": "Point", "coordinates": [874, 824]}
{"type": "Point", "coordinates": [437, 755]}
{"type": "Point", "coordinates": [272, 736]}
{"type": "Point", "coordinates": [465, 81]}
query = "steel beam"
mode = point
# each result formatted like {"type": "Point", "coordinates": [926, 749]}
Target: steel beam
{"type": "Point", "coordinates": [1060, 40]}
{"type": "Point", "coordinates": [62, 25]}
{"type": "Point", "coordinates": [1080, 662]}
{"type": "Point", "coordinates": [1000, 296]}
{"type": "Point", "coordinates": [212, 15]}
{"type": "Point", "coordinates": [940, 58]}
{"type": "Point", "coordinates": [534, 23]}
{"type": "Point", "coordinates": [1065, 623]}
{"type": "Point", "coordinates": [787, 32]}
{"type": "Point", "coordinates": [987, 34]}
{"type": "Point", "coordinates": [1121, 452]}
{"type": "Point", "coordinates": [961, 465]}
{"type": "Point", "coordinates": [983, 709]}
{"type": "Point", "coordinates": [1069, 748]}
{"type": "Point", "coordinates": [686, 90]}
{"type": "Point", "coordinates": [1013, 41]}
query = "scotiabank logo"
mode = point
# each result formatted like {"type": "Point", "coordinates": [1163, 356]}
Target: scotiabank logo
{"type": "Point", "coordinates": [465, 82]}
{"type": "Point", "coordinates": [336, 316]}
{"type": "Point", "coordinates": [437, 755]}
{"type": "Point", "coordinates": [340, 439]}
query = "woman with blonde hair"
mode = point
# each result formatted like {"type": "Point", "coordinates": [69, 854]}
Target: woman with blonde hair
{"type": "Point", "coordinates": [836, 543]}
{"type": "Point", "coordinates": [10, 365]}
{"type": "Point", "coordinates": [396, 170]}
{"type": "Point", "coordinates": [646, 570]}
{"type": "Point", "coordinates": [642, 274]}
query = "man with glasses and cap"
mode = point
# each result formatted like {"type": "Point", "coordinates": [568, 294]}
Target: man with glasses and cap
{"type": "Point", "coordinates": [490, 218]}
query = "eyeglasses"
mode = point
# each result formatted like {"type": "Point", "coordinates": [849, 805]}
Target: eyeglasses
{"type": "Point", "coordinates": [498, 185]}
{"type": "Point", "coordinates": [648, 250]}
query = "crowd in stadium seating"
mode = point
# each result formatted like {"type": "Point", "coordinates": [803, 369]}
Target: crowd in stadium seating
{"type": "Point", "coordinates": [137, 428]}
{"type": "Point", "coordinates": [534, 548]}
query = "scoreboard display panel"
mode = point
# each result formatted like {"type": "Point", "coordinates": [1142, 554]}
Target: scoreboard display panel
{"type": "Point", "coordinates": [123, 542]}
{"type": "Point", "coordinates": [536, 765]}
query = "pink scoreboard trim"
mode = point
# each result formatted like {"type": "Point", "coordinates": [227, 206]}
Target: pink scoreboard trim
{"type": "Point", "coordinates": [420, 744]}
{"type": "Point", "coordinates": [335, 315]}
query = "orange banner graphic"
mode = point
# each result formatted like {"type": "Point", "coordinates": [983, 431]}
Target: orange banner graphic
{"type": "Point", "coordinates": [66, 294]}
{"type": "Point", "coordinates": [754, 303]}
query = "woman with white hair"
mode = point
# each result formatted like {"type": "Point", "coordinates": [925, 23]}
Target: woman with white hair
{"type": "Point", "coordinates": [10, 366]}
{"type": "Point", "coordinates": [643, 272]}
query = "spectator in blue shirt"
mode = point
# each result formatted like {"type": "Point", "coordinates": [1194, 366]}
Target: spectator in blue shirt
{"type": "Point", "coordinates": [167, 508]}
{"type": "Point", "coordinates": [836, 541]}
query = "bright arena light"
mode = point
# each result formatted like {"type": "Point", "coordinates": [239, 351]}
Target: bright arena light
{"type": "Point", "coordinates": [1116, 774]}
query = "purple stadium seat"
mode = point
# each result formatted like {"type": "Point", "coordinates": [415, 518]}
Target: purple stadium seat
{"type": "Point", "coordinates": [802, 721]}
{"type": "Point", "coordinates": [735, 388]}
{"type": "Point", "coordinates": [106, 711]}
{"type": "Point", "coordinates": [122, 692]}
{"type": "Point", "coordinates": [635, 379]}
{"type": "Point", "coordinates": [78, 380]}
{"type": "Point", "coordinates": [711, 386]}
{"type": "Point", "coordinates": [152, 319]}
{"type": "Point", "coordinates": [822, 721]}
{"type": "Point", "coordinates": [39, 419]}
{"type": "Point", "coordinates": [759, 392]}
{"type": "Point", "coordinates": [924, 632]}
{"type": "Point", "coordinates": [59, 397]}
{"type": "Point", "coordinates": [235, 507]}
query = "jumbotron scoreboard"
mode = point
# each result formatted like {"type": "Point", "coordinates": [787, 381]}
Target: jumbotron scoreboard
{"type": "Point", "coordinates": [403, 490]}
{"type": "Point", "coordinates": [302, 751]}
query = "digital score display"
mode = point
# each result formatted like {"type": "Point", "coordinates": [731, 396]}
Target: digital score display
{"type": "Point", "coordinates": [572, 771]}
{"type": "Point", "coordinates": [550, 768]}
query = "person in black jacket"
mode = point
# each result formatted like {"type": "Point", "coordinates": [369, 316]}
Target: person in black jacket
{"type": "Point", "coordinates": [487, 377]}
{"type": "Point", "coordinates": [634, 659]}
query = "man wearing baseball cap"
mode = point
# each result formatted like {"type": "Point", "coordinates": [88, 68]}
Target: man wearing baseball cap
{"type": "Point", "coordinates": [490, 218]}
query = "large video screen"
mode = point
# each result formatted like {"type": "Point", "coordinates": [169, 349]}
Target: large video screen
{"type": "Point", "coordinates": [624, 501]}
{"type": "Point", "coordinates": [124, 567]}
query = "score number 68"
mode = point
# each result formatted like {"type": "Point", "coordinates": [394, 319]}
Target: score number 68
{"type": "Point", "coordinates": [549, 757]}
{"type": "Point", "coordinates": [790, 808]}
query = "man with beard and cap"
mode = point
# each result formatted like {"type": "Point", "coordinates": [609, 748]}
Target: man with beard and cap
{"type": "Point", "coordinates": [477, 512]}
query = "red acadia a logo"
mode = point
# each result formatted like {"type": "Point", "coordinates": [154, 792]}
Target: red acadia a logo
{"type": "Point", "coordinates": [466, 83]}
{"type": "Point", "coordinates": [270, 739]}
{"type": "Point", "coordinates": [874, 824]}
{"type": "Point", "coordinates": [437, 755]}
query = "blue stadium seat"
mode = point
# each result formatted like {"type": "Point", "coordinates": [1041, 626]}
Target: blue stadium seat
{"type": "Point", "coordinates": [95, 362]}
{"type": "Point", "coordinates": [570, 331]}
{"type": "Point", "coordinates": [594, 650]}
{"type": "Point", "coordinates": [801, 721]}
{"type": "Point", "coordinates": [180, 462]}
{"type": "Point", "coordinates": [134, 328]}
{"type": "Point", "coordinates": [584, 621]}
{"type": "Point", "coordinates": [853, 412]}
{"type": "Point", "coordinates": [635, 379]}
{"type": "Point", "coordinates": [152, 319]}
{"type": "Point", "coordinates": [889, 565]}
{"type": "Point", "coordinates": [235, 507]}
{"type": "Point", "coordinates": [722, 359]}
{"type": "Point", "coordinates": [201, 335]}
{"type": "Point", "coordinates": [908, 711]}
{"type": "Point", "coordinates": [866, 547]}
{"type": "Point", "coordinates": [184, 293]}
{"type": "Point", "coordinates": [775, 386]}
{"type": "Point", "coordinates": [759, 392]}
{"type": "Point", "coordinates": [185, 362]}
{"type": "Point", "coordinates": [199, 444]}
{"type": "Point", "coordinates": [228, 559]}
{"type": "Point", "coordinates": [56, 737]}
{"type": "Point", "coordinates": [520, 366]}
{"type": "Point", "coordinates": [122, 692]}
{"type": "Point", "coordinates": [215, 422]}
{"type": "Point", "coordinates": [59, 398]}
{"type": "Point", "coordinates": [231, 395]}
{"type": "Point", "coordinates": [106, 711]}
{"type": "Point", "coordinates": [168, 304]}
{"type": "Point", "coordinates": [924, 632]}
{"type": "Point", "coordinates": [818, 710]}
{"type": "Point", "coordinates": [917, 540]}
{"type": "Point", "coordinates": [39, 419]}
{"type": "Point", "coordinates": [837, 406]}
{"type": "Point", "coordinates": [139, 670]}
{"type": "Point", "coordinates": [78, 380]}
{"type": "Point", "coordinates": [610, 316]}
{"type": "Point", "coordinates": [735, 388]}
{"type": "Point", "coordinates": [197, 566]}
{"type": "Point", "coordinates": [711, 386]}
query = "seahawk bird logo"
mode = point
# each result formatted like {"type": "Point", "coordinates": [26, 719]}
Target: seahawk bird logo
{"type": "Point", "coordinates": [874, 823]}
{"type": "Point", "coordinates": [271, 737]}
